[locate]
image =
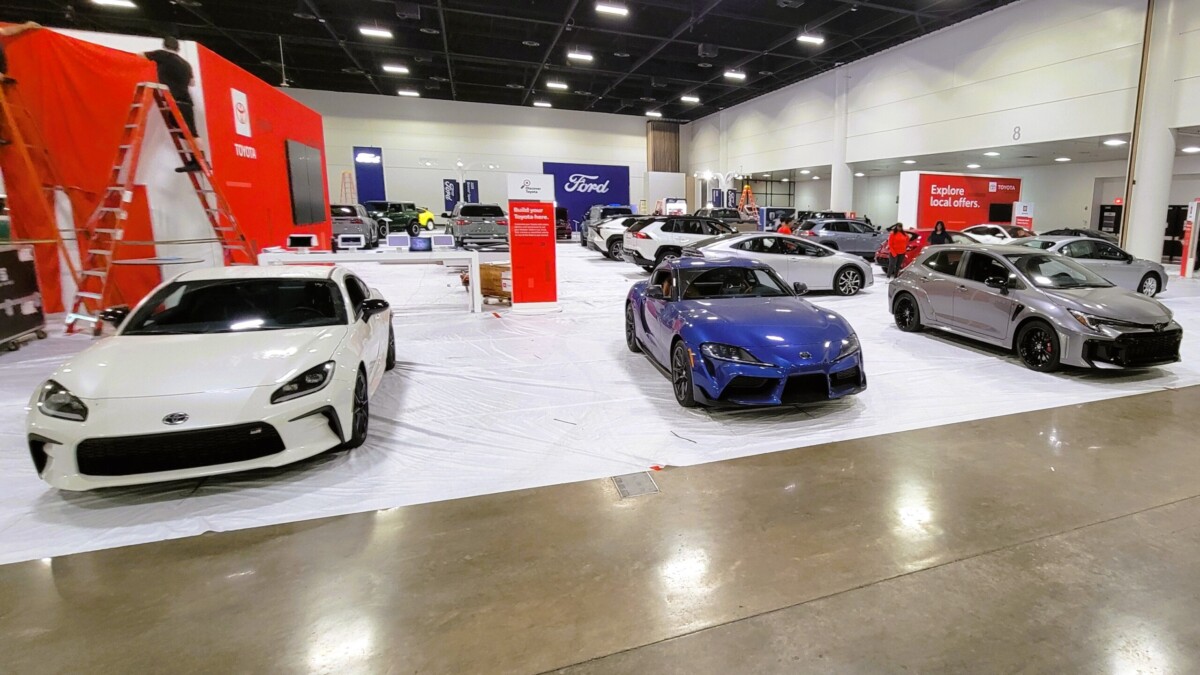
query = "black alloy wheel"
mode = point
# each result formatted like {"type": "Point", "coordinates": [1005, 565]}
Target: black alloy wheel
{"type": "Point", "coordinates": [1037, 345]}
{"type": "Point", "coordinates": [681, 376]}
{"type": "Point", "coordinates": [390, 362]}
{"type": "Point", "coordinates": [631, 340]}
{"type": "Point", "coordinates": [907, 314]}
{"type": "Point", "coordinates": [362, 413]}
{"type": "Point", "coordinates": [849, 281]}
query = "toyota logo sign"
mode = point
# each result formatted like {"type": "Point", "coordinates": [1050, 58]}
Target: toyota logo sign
{"type": "Point", "coordinates": [175, 418]}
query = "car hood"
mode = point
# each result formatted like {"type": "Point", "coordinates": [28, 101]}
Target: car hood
{"type": "Point", "coordinates": [772, 322]}
{"type": "Point", "coordinates": [1113, 303]}
{"type": "Point", "coordinates": [168, 365]}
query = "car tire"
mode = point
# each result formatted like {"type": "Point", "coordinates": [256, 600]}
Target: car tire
{"type": "Point", "coordinates": [390, 361]}
{"type": "Point", "coordinates": [414, 228]}
{"type": "Point", "coordinates": [616, 248]}
{"type": "Point", "coordinates": [631, 340]}
{"type": "Point", "coordinates": [1038, 346]}
{"type": "Point", "coordinates": [849, 280]}
{"type": "Point", "coordinates": [681, 375]}
{"type": "Point", "coordinates": [666, 254]}
{"type": "Point", "coordinates": [383, 231]}
{"type": "Point", "coordinates": [907, 313]}
{"type": "Point", "coordinates": [1150, 285]}
{"type": "Point", "coordinates": [361, 415]}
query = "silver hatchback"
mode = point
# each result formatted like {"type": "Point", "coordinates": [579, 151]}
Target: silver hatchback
{"type": "Point", "coordinates": [1109, 261]}
{"type": "Point", "coordinates": [1046, 307]}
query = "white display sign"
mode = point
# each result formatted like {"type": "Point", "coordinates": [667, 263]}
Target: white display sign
{"type": "Point", "coordinates": [241, 113]}
{"type": "Point", "coordinates": [530, 187]}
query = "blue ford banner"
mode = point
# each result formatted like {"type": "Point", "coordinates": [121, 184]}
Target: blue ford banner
{"type": "Point", "coordinates": [368, 173]}
{"type": "Point", "coordinates": [731, 198]}
{"type": "Point", "coordinates": [579, 187]}
{"type": "Point", "coordinates": [450, 193]}
{"type": "Point", "coordinates": [717, 202]}
{"type": "Point", "coordinates": [471, 191]}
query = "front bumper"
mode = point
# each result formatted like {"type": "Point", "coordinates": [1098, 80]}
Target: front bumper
{"type": "Point", "coordinates": [720, 383]}
{"type": "Point", "coordinates": [125, 441]}
{"type": "Point", "coordinates": [1112, 349]}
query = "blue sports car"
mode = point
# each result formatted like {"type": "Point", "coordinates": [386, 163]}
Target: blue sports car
{"type": "Point", "coordinates": [731, 332]}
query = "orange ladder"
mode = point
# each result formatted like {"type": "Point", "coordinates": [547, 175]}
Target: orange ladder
{"type": "Point", "coordinates": [746, 203]}
{"type": "Point", "coordinates": [106, 225]}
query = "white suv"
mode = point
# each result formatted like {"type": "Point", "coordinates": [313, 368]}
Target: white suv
{"type": "Point", "coordinates": [608, 236]}
{"type": "Point", "coordinates": [651, 241]}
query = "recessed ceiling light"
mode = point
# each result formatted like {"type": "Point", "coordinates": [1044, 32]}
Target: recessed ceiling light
{"type": "Point", "coordinates": [735, 75]}
{"type": "Point", "coordinates": [859, 174]}
{"type": "Point", "coordinates": [1062, 159]}
{"type": "Point", "coordinates": [532, 43]}
{"type": "Point", "coordinates": [409, 92]}
{"type": "Point", "coordinates": [541, 104]}
{"type": "Point", "coordinates": [765, 73]}
{"type": "Point", "coordinates": [689, 99]}
{"type": "Point", "coordinates": [811, 39]}
{"type": "Point", "coordinates": [579, 56]}
{"type": "Point", "coordinates": [621, 55]}
{"type": "Point", "coordinates": [368, 31]}
{"type": "Point", "coordinates": [805, 171]}
{"type": "Point", "coordinates": [647, 99]}
{"type": "Point", "coordinates": [910, 161]}
{"type": "Point", "coordinates": [582, 92]}
{"type": "Point", "coordinates": [784, 179]}
{"type": "Point", "coordinates": [557, 85]}
{"type": "Point", "coordinates": [1114, 142]}
{"type": "Point", "coordinates": [816, 178]}
{"type": "Point", "coordinates": [612, 8]}
{"type": "Point", "coordinates": [395, 68]}
{"type": "Point", "coordinates": [653, 113]}
{"type": "Point", "coordinates": [991, 154]}
{"type": "Point", "coordinates": [514, 85]}
{"type": "Point", "coordinates": [1191, 149]}
{"type": "Point", "coordinates": [766, 175]}
{"type": "Point", "coordinates": [704, 64]}
{"type": "Point", "coordinates": [972, 166]}
{"type": "Point", "coordinates": [439, 78]}
{"type": "Point", "coordinates": [429, 30]}
{"type": "Point", "coordinates": [123, 4]}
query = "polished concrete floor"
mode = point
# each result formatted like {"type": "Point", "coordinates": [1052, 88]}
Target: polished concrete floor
{"type": "Point", "coordinates": [1063, 541]}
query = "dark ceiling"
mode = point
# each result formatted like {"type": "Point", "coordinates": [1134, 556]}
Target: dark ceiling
{"type": "Point", "coordinates": [505, 51]}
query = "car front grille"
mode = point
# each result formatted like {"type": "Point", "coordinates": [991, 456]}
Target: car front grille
{"type": "Point", "coordinates": [1137, 349]}
{"type": "Point", "coordinates": [809, 388]}
{"type": "Point", "coordinates": [131, 455]}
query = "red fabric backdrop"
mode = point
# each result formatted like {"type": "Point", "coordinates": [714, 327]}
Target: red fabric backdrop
{"type": "Point", "coordinates": [78, 95]}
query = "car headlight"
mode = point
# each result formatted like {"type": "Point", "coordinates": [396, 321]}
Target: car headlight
{"type": "Point", "coordinates": [1093, 322]}
{"type": "Point", "coordinates": [720, 352]}
{"type": "Point", "coordinates": [849, 346]}
{"type": "Point", "coordinates": [311, 380]}
{"type": "Point", "coordinates": [56, 401]}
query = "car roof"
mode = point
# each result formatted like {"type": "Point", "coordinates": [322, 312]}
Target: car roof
{"type": "Point", "coordinates": [713, 263]}
{"type": "Point", "coordinates": [260, 272]}
{"type": "Point", "coordinates": [988, 248]}
{"type": "Point", "coordinates": [1060, 237]}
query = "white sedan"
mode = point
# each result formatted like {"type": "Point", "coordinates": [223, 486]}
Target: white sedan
{"type": "Point", "coordinates": [794, 259]}
{"type": "Point", "coordinates": [998, 234]}
{"type": "Point", "coordinates": [216, 371]}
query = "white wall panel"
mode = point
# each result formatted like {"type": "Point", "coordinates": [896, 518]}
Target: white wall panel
{"type": "Point", "coordinates": [876, 197]}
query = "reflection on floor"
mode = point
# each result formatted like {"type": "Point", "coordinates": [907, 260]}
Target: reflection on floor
{"type": "Point", "coordinates": [1063, 540]}
{"type": "Point", "coordinates": [495, 402]}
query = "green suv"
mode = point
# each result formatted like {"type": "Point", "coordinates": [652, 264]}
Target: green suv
{"type": "Point", "coordinates": [399, 217]}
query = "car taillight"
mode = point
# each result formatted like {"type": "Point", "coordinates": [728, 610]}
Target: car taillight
{"type": "Point", "coordinates": [357, 221]}
{"type": "Point", "coordinates": [502, 221]}
{"type": "Point", "coordinates": [639, 235]}
{"type": "Point", "coordinates": [808, 233]}
{"type": "Point", "coordinates": [461, 221]}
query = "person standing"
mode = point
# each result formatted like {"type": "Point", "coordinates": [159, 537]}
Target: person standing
{"type": "Point", "coordinates": [940, 236]}
{"type": "Point", "coordinates": [898, 242]}
{"type": "Point", "coordinates": [785, 225]}
{"type": "Point", "coordinates": [176, 73]}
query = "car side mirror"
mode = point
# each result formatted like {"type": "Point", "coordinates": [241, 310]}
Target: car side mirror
{"type": "Point", "coordinates": [999, 283]}
{"type": "Point", "coordinates": [654, 292]}
{"type": "Point", "coordinates": [372, 306]}
{"type": "Point", "coordinates": [800, 287]}
{"type": "Point", "coordinates": [1128, 259]}
{"type": "Point", "coordinates": [445, 215]}
{"type": "Point", "coordinates": [114, 315]}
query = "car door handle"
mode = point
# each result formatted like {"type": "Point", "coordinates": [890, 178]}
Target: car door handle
{"type": "Point", "coordinates": [963, 289]}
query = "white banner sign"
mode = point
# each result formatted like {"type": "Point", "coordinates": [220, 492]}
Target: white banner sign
{"type": "Point", "coordinates": [530, 187]}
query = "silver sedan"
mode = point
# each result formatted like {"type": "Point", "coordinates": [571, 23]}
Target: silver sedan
{"type": "Point", "coordinates": [793, 258]}
{"type": "Point", "coordinates": [1046, 307]}
{"type": "Point", "coordinates": [1144, 276]}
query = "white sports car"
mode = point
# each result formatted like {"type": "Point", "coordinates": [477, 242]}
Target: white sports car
{"type": "Point", "coordinates": [216, 371]}
{"type": "Point", "coordinates": [793, 258]}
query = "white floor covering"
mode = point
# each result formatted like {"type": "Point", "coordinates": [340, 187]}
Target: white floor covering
{"type": "Point", "coordinates": [501, 401]}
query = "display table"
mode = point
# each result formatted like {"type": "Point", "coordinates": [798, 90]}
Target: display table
{"type": "Point", "coordinates": [469, 258]}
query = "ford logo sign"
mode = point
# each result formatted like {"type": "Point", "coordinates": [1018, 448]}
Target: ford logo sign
{"type": "Point", "coordinates": [175, 418]}
{"type": "Point", "coordinates": [581, 182]}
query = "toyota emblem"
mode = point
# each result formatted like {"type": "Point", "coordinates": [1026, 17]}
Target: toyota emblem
{"type": "Point", "coordinates": [175, 418]}
{"type": "Point", "coordinates": [1159, 327]}
{"type": "Point", "coordinates": [805, 355]}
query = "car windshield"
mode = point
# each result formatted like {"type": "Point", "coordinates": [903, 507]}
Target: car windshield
{"type": "Point", "coordinates": [808, 225]}
{"type": "Point", "coordinates": [1043, 244]}
{"type": "Point", "coordinates": [1047, 270]}
{"type": "Point", "coordinates": [238, 305]}
{"type": "Point", "coordinates": [730, 282]}
{"type": "Point", "coordinates": [481, 211]}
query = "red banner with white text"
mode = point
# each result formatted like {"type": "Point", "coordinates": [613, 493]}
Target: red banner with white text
{"type": "Point", "coordinates": [531, 240]}
{"type": "Point", "coordinates": [962, 201]}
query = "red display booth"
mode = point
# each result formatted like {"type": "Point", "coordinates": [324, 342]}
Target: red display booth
{"type": "Point", "coordinates": [958, 200]}
{"type": "Point", "coordinates": [73, 98]}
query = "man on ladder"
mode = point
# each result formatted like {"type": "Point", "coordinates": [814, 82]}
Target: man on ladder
{"type": "Point", "coordinates": [176, 73]}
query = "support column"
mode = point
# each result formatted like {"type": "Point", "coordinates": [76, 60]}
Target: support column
{"type": "Point", "coordinates": [841, 191]}
{"type": "Point", "coordinates": [1152, 151]}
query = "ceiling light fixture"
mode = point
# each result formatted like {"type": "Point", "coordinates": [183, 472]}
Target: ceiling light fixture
{"type": "Point", "coordinates": [557, 85]}
{"type": "Point", "coordinates": [608, 7]}
{"type": "Point", "coordinates": [816, 178]}
{"type": "Point", "coordinates": [542, 104]}
{"type": "Point", "coordinates": [123, 4]}
{"type": "Point", "coordinates": [532, 43]}
{"type": "Point", "coordinates": [1062, 159]}
{"type": "Point", "coordinates": [766, 175]}
{"type": "Point", "coordinates": [413, 93]}
{"type": "Point", "coordinates": [579, 56]}
{"type": "Point", "coordinates": [688, 98]}
{"type": "Point", "coordinates": [910, 161]}
{"type": "Point", "coordinates": [1115, 142]}
{"type": "Point", "coordinates": [972, 166]}
{"type": "Point", "coordinates": [784, 179]}
{"type": "Point", "coordinates": [735, 75]}
{"type": "Point", "coordinates": [991, 154]}
{"type": "Point", "coordinates": [368, 31]}
{"type": "Point", "coordinates": [859, 174]}
{"type": "Point", "coordinates": [653, 113]}
{"type": "Point", "coordinates": [395, 68]}
{"type": "Point", "coordinates": [704, 64]}
{"type": "Point", "coordinates": [1191, 149]}
{"type": "Point", "coordinates": [514, 85]}
{"type": "Point", "coordinates": [810, 39]}
{"type": "Point", "coordinates": [621, 55]}
{"type": "Point", "coordinates": [805, 171]}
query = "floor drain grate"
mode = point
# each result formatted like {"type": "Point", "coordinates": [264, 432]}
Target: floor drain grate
{"type": "Point", "coordinates": [635, 484]}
